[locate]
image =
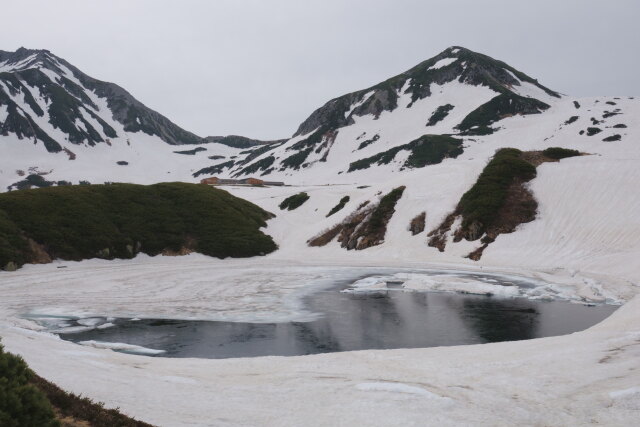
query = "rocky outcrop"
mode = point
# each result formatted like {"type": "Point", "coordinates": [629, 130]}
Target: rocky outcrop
{"type": "Point", "coordinates": [365, 227]}
{"type": "Point", "coordinates": [417, 224]}
{"type": "Point", "coordinates": [498, 202]}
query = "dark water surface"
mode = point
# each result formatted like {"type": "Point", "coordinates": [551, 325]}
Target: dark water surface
{"type": "Point", "coordinates": [382, 320]}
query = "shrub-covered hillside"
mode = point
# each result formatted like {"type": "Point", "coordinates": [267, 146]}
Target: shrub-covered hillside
{"type": "Point", "coordinates": [27, 400]}
{"type": "Point", "coordinates": [21, 403]}
{"type": "Point", "coordinates": [121, 220]}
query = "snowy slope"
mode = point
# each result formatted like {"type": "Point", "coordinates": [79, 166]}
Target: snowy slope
{"type": "Point", "coordinates": [586, 215]}
{"type": "Point", "coordinates": [64, 125]}
{"type": "Point", "coordinates": [583, 246]}
{"type": "Point", "coordinates": [586, 377]}
{"type": "Point", "coordinates": [586, 204]}
{"type": "Point", "coordinates": [396, 112]}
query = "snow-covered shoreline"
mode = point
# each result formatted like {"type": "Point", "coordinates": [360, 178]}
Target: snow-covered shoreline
{"type": "Point", "coordinates": [584, 241]}
{"type": "Point", "coordinates": [583, 377]}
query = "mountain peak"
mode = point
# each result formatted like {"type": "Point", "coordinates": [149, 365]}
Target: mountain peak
{"type": "Point", "coordinates": [45, 98]}
{"type": "Point", "coordinates": [24, 58]}
{"type": "Point", "coordinates": [455, 63]}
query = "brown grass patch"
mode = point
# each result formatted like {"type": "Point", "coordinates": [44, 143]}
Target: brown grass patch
{"type": "Point", "coordinates": [519, 207]}
{"type": "Point", "coordinates": [417, 224]}
{"type": "Point", "coordinates": [73, 410]}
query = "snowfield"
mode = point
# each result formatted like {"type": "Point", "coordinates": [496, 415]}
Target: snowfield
{"type": "Point", "coordinates": [584, 243]}
{"type": "Point", "coordinates": [587, 377]}
{"type": "Point", "coordinates": [583, 246]}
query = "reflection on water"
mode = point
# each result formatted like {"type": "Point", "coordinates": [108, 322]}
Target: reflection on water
{"type": "Point", "coordinates": [388, 319]}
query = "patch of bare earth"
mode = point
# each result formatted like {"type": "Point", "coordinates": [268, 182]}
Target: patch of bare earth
{"type": "Point", "coordinates": [417, 224]}
{"type": "Point", "coordinates": [76, 411]}
{"type": "Point", "coordinates": [365, 227]}
{"type": "Point", "coordinates": [519, 207]}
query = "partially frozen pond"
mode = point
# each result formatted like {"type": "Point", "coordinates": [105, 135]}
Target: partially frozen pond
{"type": "Point", "coordinates": [373, 312]}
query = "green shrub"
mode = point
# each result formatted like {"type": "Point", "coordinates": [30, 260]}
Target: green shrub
{"type": "Point", "coordinates": [191, 152]}
{"type": "Point", "coordinates": [215, 169]}
{"type": "Point", "coordinates": [368, 142]}
{"type": "Point", "coordinates": [296, 160]}
{"type": "Point", "coordinates": [616, 137]}
{"type": "Point", "coordinates": [82, 409]}
{"type": "Point", "coordinates": [33, 180]}
{"type": "Point", "coordinates": [383, 212]}
{"type": "Point", "coordinates": [560, 153]}
{"type": "Point", "coordinates": [80, 222]}
{"type": "Point", "coordinates": [433, 149]}
{"type": "Point", "coordinates": [481, 203]}
{"type": "Point", "coordinates": [439, 115]}
{"type": "Point", "coordinates": [426, 150]}
{"type": "Point", "coordinates": [479, 121]}
{"type": "Point", "coordinates": [260, 165]}
{"type": "Point", "coordinates": [571, 119]}
{"type": "Point", "coordinates": [339, 206]}
{"type": "Point", "coordinates": [294, 202]}
{"type": "Point", "coordinates": [21, 404]}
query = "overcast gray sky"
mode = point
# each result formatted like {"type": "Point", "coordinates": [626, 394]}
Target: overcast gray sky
{"type": "Point", "coordinates": [260, 67]}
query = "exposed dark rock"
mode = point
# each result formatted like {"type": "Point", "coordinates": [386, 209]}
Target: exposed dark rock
{"type": "Point", "coordinates": [365, 227]}
{"type": "Point", "coordinates": [478, 70]}
{"type": "Point", "coordinates": [612, 138]}
{"type": "Point", "coordinates": [237, 141]}
{"type": "Point", "coordinates": [571, 120]}
{"type": "Point", "coordinates": [439, 114]}
{"type": "Point", "coordinates": [368, 142]}
{"type": "Point", "coordinates": [68, 104]}
{"type": "Point", "coordinates": [608, 114]}
{"type": "Point", "coordinates": [191, 152]}
{"type": "Point", "coordinates": [215, 169]}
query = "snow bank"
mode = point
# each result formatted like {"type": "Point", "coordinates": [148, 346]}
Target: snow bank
{"type": "Point", "coordinates": [583, 246]}
{"type": "Point", "coordinates": [586, 377]}
{"type": "Point", "coordinates": [125, 348]}
{"type": "Point", "coordinates": [504, 286]}
{"type": "Point", "coordinates": [401, 388]}
{"type": "Point", "coordinates": [443, 63]}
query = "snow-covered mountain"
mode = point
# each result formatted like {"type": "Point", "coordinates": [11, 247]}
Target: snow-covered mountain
{"type": "Point", "coordinates": [430, 130]}
{"type": "Point", "coordinates": [456, 92]}
{"type": "Point", "coordinates": [60, 124]}
{"type": "Point", "coordinates": [48, 100]}
{"type": "Point", "coordinates": [387, 175]}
